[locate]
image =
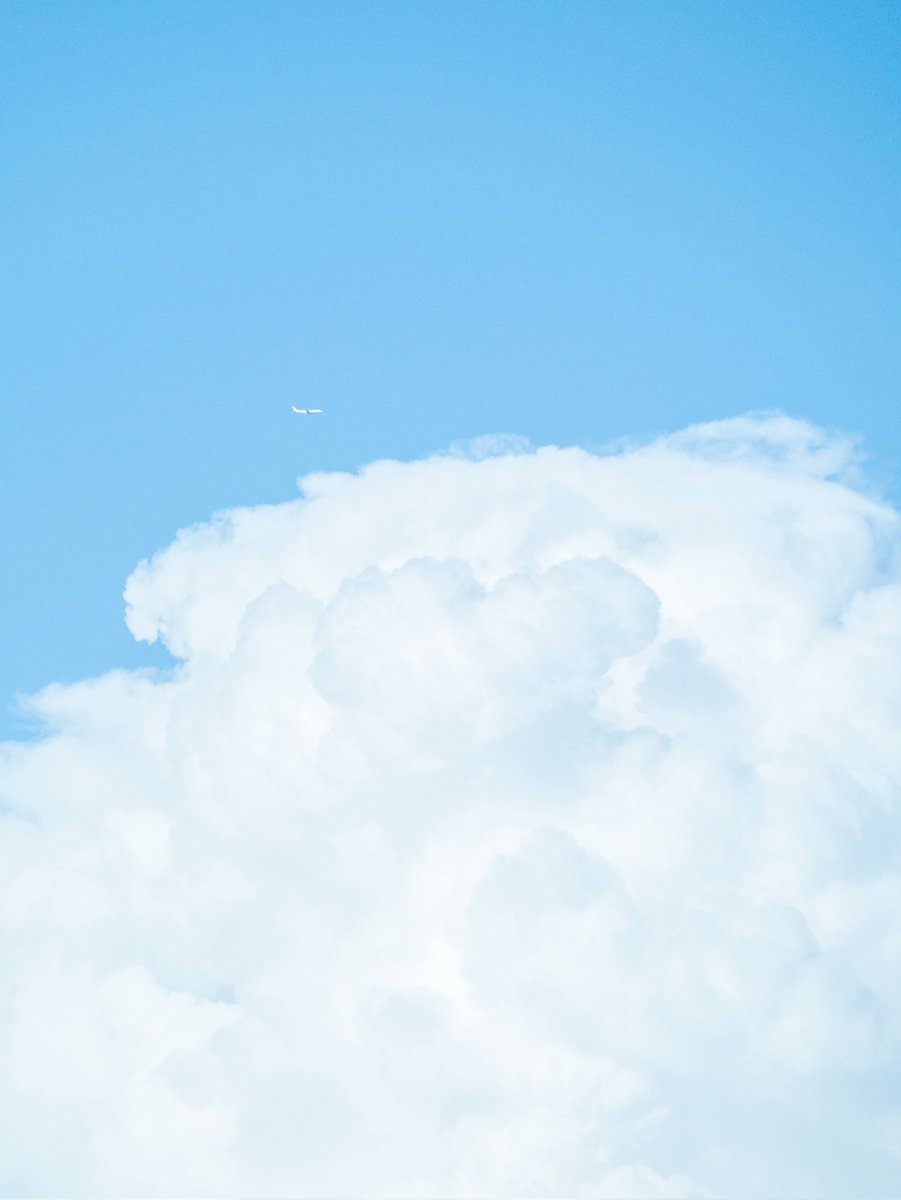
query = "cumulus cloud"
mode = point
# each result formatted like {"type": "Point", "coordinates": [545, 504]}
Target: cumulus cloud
{"type": "Point", "coordinates": [514, 823]}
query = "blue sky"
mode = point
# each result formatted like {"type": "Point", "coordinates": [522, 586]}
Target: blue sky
{"type": "Point", "coordinates": [576, 222]}
{"type": "Point", "coordinates": [506, 808]}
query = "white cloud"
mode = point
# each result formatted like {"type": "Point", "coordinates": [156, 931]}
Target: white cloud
{"type": "Point", "coordinates": [515, 823]}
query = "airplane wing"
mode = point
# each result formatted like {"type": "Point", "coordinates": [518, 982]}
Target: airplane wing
{"type": "Point", "coordinates": [298, 410]}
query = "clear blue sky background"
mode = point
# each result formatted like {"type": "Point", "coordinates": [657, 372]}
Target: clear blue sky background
{"type": "Point", "coordinates": [433, 220]}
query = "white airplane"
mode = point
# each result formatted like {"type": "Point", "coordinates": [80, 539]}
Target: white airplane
{"type": "Point", "coordinates": [307, 411]}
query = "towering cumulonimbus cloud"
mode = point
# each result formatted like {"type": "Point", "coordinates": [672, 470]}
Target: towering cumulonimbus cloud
{"type": "Point", "coordinates": [513, 824]}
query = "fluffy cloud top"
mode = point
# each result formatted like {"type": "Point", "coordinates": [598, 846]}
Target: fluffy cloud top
{"type": "Point", "coordinates": [514, 824]}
